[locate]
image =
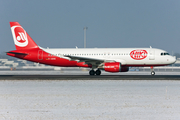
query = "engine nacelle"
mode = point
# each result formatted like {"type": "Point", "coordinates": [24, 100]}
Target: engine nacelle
{"type": "Point", "coordinates": [114, 67]}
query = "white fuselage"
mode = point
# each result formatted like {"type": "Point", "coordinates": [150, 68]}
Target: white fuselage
{"type": "Point", "coordinates": [153, 57]}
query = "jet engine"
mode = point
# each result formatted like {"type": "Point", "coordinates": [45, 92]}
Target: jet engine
{"type": "Point", "coordinates": [115, 67]}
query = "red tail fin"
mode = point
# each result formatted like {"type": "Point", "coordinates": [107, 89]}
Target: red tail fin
{"type": "Point", "coordinates": [21, 39]}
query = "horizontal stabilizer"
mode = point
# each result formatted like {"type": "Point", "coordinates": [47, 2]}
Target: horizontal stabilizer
{"type": "Point", "coordinates": [16, 53]}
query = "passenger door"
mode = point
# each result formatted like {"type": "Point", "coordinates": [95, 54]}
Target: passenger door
{"type": "Point", "coordinates": [152, 55]}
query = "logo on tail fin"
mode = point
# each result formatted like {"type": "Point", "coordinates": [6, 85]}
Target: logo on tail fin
{"type": "Point", "coordinates": [20, 36]}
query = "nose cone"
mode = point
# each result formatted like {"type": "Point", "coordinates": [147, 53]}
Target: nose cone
{"type": "Point", "coordinates": [172, 59]}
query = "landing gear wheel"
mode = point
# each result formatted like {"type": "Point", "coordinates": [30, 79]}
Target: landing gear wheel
{"type": "Point", "coordinates": [98, 72]}
{"type": "Point", "coordinates": [91, 72]}
{"type": "Point", "coordinates": [152, 73]}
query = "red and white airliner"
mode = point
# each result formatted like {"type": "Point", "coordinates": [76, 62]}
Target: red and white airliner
{"type": "Point", "coordinates": [108, 59]}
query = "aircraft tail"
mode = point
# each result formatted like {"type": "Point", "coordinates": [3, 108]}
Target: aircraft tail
{"type": "Point", "coordinates": [21, 38]}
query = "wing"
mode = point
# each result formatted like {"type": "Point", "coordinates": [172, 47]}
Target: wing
{"type": "Point", "coordinates": [92, 61]}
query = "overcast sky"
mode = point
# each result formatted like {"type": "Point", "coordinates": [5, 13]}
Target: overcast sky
{"type": "Point", "coordinates": [111, 23]}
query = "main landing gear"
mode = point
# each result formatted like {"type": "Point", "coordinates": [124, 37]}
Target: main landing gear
{"type": "Point", "coordinates": [97, 72]}
{"type": "Point", "coordinates": [152, 71]}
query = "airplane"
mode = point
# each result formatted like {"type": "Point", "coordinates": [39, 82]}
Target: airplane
{"type": "Point", "coordinates": [107, 59]}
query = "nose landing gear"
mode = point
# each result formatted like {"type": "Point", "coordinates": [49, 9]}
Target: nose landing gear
{"type": "Point", "coordinates": [152, 71]}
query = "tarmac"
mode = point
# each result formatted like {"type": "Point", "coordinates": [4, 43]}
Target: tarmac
{"type": "Point", "coordinates": [83, 75]}
{"type": "Point", "coordinates": [88, 77]}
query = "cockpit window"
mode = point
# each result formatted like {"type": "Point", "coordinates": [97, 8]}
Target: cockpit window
{"type": "Point", "coordinates": [165, 54]}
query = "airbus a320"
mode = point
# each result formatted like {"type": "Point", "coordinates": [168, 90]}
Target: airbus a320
{"type": "Point", "coordinates": [107, 59]}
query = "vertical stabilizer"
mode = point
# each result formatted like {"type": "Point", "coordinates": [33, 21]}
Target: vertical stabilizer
{"type": "Point", "coordinates": [21, 38]}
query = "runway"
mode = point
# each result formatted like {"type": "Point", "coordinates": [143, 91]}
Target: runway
{"type": "Point", "coordinates": [88, 77]}
{"type": "Point", "coordinates": [83, 75]}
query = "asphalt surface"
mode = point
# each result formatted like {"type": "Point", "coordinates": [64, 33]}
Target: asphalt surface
{"type": "Point", "coordinates": [88, 77]}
